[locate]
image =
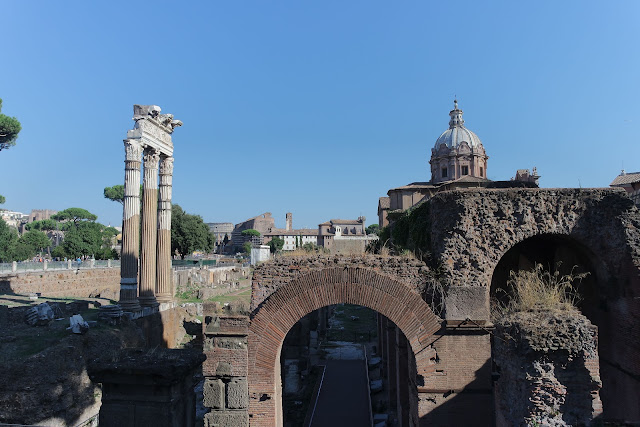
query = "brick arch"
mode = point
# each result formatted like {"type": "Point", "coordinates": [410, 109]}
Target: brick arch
{"type": "Point", "coordinates": [272, 319]}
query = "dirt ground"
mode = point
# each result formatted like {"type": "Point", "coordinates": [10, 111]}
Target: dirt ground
{"type": "Point", "coordinates": [43, 380]}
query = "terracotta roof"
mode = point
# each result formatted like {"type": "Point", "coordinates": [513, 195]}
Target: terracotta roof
{"type": "Point", "coordinates": [298, 232]}
{"type": "Point", "coordinates": [345, 221]}
{"type": "Point", "coordinates": [415, 186]}
{"type": "Point", "coordinates": [627, 178]}
{"type": "Point", "coordinates": [430, 186]}
{"type": "Point", "coordinates": [384, 202]}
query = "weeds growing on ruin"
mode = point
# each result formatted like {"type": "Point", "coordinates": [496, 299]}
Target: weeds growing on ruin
{"type": "Point", "coordinates": [540, 289]}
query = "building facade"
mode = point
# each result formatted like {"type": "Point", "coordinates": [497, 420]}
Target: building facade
{"type": "Point", "coordinates": [220, 230]}
{"type": "Point", "coordinates": [264, 223]}
{"type": "Point", "coordinates": [458, 152]}
{"type": "Point", "coordinates": [293, 238]}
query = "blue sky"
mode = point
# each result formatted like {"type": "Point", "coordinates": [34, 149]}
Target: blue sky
{"type": "Point", "coordinates": [313, 107]}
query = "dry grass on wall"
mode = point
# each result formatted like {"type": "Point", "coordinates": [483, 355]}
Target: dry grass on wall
{"type": "Point", "coordinates": [540, 289]}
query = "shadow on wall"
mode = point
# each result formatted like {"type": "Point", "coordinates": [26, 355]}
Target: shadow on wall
{"type": "Point", "coordinates": [472, 406]}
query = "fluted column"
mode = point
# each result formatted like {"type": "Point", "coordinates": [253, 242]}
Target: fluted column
{"type": "Point", "coordinates": [164, 289]}
{"type": "Point", "coordinates": [130, 227]}
{"type": "Point", "coordinates": [149, 229]}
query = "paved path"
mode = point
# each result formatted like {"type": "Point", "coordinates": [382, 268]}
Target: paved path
{"type": "Point", "coordinates": [343, 400]}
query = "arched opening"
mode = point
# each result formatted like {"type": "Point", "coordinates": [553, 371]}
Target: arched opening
{"type": "Point", "coordinates": [567, 255]}
{"type": "Point", "coordinates": [553, 252]}
{"type": "Point", "coordinates": [273, 319]}
{"type": "Point", "coordinates": [346, 364]}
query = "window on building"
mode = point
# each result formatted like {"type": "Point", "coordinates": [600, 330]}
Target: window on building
{"type": "Point", "coordinates": [465, 170]}
{"type": "Point", "coordinates": [444, 172]}
{"type": "Point", "coordinates": [481, 171]}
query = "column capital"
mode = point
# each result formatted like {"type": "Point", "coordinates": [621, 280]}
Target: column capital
{"type": "Point", "coordinates": [166, 165]}
{"type": "Point", "coordinates": [133, 150]}
{"type": "Point", "coordinates": [151, 158]}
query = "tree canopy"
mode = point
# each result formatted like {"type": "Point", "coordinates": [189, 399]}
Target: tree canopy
{"type": "Point", "coordinates": [8, 240]}
{"type": "Point", "coordinates": [115, 193]}
{"type": "Point", "coordinates": [14, 248]}
{"type": "Point", "coordinates": [9, 129]}
{"type": "Point", "coordinates": [189, 233]}
{"type": "Point", "coordinates": [36, 240]}
{"type": "Point", "coordinates": [2, 199]}
{"type": "Point", "coordinates": [373, 229]}
{"type": "Point", "coordinates": [74, 216]}
{"type": "Point", "coordinates": [42, 225]}
{"type": "Point", "coordinates": [276, 244]}
{"type": "Point", "coordinates": [251, 232]}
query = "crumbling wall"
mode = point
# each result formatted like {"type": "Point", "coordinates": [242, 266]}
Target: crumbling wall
{"type": "Point", "coordinates": [549, 369]}
{"type": "Point", "coordinates": [270, 276]}
{"type": "Point", "coordinates": [102, 282]}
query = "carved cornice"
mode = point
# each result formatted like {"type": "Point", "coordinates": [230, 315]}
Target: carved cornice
{"type": "Point", "coordinates": [133, 150]}
{"type": "Point", "coordinates": [152, 128]}
{"type": "Point", "coordinates": [151, 158]}
{"type": "Point", "coordinates": [166, 166]}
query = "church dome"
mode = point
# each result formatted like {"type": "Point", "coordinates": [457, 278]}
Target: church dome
{"type": "Point", "coordinates": [457, 133]}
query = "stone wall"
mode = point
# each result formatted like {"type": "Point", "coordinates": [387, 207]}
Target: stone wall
{"type": "Point", "coordinates": [226, 392]}
{"type": "Point", "coordinates": [472, 229]}
{"type": "Point", "coordinates": [210, 276]}
{"type": "Point", "coordinates": [549, 369]}
{"type": "Point", "coordinates": [103, 282]}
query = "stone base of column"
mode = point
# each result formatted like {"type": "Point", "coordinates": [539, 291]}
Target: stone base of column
{"type": "Point", "coordinates": [130, 306]}
{"type": "Point", "coordinates": [164, 297]}
{"type": "Point", "coordinates": [167, 305]}
{"type": "Point", "coordinates": [148, 302]}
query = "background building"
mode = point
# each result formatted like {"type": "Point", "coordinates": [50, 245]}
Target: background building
{"type": "Point", "coordinates": [458, 160]}
{"type": "Point", "coordinates": [220, 230]}
{"type": "Point", "coordinates": [264, 223]}
{"type": "Point", "coordinates": [631, 183]}
{"type": "Point", "coordinates": [345, 236]}
{"type": "Point", "coordinates": [293, 238]}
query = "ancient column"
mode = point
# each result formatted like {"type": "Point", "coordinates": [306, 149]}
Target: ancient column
{"type": "Point", "coordinates": [149, 229]}
{"type": "Point", "coordinates": [130, 227]}
{"type": "Point", "coordinates": [164, 291]}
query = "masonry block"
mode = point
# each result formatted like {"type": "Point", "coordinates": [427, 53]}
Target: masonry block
{"type": "Point", "coordinates": [213, 394]}
{"type": "Point", "coordinates": [226, 419]}
{"type": "Point", "coordinates": [225, 362]}
{"type": "Point", "coordinates": [237, 394]}
{"type": "Point", "coordinates": [464, 302]}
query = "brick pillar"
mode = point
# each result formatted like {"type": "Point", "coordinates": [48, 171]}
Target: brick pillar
{"type": "Point", "coordinates": [226, 390]}
{"type": "Point", "coordinates": [164, 288]}
{"type": "Point", "coordinates": [130, 228]}
{"type": "Point", "coordinates": [149, 229]}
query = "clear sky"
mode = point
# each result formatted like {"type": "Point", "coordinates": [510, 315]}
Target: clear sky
{"type": "Point", "coordinates": [313, 107]}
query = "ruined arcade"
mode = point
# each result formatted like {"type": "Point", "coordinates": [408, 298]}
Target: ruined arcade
{"type": "Point", "coordinates": [475, 236]}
